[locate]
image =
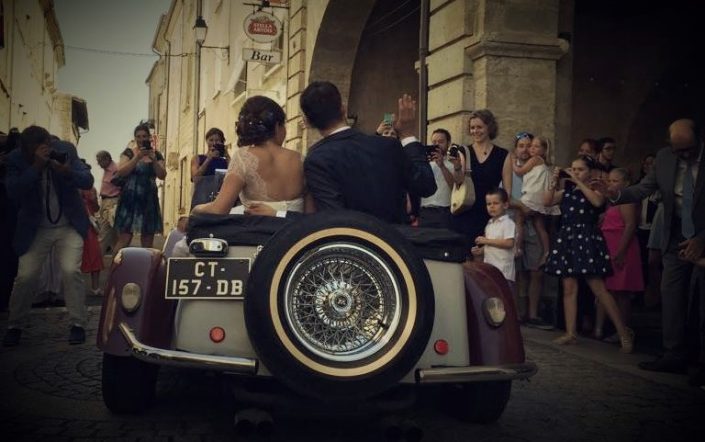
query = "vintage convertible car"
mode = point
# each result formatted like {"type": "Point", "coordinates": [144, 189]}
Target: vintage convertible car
{"type": "Point", "coordinates": [338, 307]}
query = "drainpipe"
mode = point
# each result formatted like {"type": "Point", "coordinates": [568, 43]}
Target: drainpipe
{"type": "Point", "coordinates": [197, 82]}
{"type": "Point", "coordinates": [11, 55]}
{"type": "Point", "coordinates": [423, 71]}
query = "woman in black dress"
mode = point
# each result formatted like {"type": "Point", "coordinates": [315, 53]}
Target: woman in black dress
{"type": "Point", "coordinates": [490, 165]}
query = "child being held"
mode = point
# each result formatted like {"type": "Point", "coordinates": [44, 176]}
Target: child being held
{"type": "Point", "coordinates": [536, 176]}
{"type": "Point", "coordinates": [497, 246]}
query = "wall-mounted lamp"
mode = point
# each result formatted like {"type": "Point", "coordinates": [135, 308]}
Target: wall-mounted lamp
{"type": "Point", "coordinates": [200, 29]}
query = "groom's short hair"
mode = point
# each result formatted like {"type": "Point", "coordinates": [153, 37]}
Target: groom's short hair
{"type": "Point", "coordinates": [322, 104]}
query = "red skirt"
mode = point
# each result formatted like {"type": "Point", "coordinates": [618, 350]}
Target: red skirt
{"type": "Point", "coordinates": [92, 258]}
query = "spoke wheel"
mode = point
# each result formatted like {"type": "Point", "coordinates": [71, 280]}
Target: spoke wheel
{"type": "Point", "coordinates": [339, 306]}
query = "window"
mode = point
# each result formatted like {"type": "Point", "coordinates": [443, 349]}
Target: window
{"type": "Point", "coordinates": [241, 84]}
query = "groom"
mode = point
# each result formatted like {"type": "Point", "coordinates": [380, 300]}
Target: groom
{"type": "Point", "coordinates": [351, 170]}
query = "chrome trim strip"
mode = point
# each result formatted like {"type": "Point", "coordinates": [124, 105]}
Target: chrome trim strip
{"type": "Point", "coordinates": [476, 374]}
{"type": "Point", "coordinates": [177, 358]}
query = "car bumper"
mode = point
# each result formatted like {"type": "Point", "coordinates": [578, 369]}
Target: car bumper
{"type": "Point", "coordinates": [177, 358]}
{"type": "Point", "coordinates": [476, 374]}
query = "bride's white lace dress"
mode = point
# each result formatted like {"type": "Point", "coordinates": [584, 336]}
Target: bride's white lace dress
{"type": "Point", "coordinates": [245, 165]}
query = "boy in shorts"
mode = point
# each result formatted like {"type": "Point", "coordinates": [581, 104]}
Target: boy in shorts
{"type": "Point", "coordinates": [497, 245]}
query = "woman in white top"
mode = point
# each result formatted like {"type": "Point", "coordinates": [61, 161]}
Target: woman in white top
{"type": "Point", "coordinates": [261, 171]}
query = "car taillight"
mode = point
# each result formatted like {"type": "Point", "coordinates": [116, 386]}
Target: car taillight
{"type": "Point", "coordinates": [441, 347]}
{"type": "Point", "coordinates": [217, 334]}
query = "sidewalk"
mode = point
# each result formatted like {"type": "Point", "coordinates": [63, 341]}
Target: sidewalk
{"type": "Point", "coordinates": [608, 355]}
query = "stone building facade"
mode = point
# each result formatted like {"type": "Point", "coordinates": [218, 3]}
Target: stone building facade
{"type": "Point", "coordinates": [31, 53]}
{"type": "Point", "coordinates": [481, 53]}
{"type": "Point", "coordinates": [532, 62]}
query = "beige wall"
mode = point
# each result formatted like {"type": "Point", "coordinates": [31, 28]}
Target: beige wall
{"type": "Point", "coordinates": [28, 65]}
{"type": "Point", "coordinates": [483, 53]}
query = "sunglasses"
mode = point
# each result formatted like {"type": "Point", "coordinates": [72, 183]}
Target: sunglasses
{"type": "Point", "coordinates": [521, 135]}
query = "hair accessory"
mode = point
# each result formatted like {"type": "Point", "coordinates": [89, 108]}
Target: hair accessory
{"type": "Point", "coordinates": [521, 135]}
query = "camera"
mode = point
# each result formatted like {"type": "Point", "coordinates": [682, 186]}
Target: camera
{"type": "Point", "coordinates": [220, 147]}
{"type": "Point", "coordinates": [563, 174]}
{"type": "Point", "coordinates": [146, 145]}
{"type": "Point", "coordinates": [454, 151]}
{"type": "Point", "coordinates": [59, 157]}
{"type": "Point", "coordinates": [431, 149]}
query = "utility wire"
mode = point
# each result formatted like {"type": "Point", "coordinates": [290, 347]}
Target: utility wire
{"type": "Point", "coordinates": [413, 11]}
{"type": "Point", "coordinates": [388, 13]}
{"type": "Point", "coordinates": [123, 53]}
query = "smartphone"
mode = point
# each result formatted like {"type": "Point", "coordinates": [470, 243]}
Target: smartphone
{"type": "Point", "coordinates": [146, 145]}
{"type": "Point", "coordinates": [388, 118]}
{"type": "Point", "coordinates": [220, 148]}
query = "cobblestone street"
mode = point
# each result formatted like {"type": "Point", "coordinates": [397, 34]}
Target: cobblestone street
{"type": "Point", "coordinates": [51, 391]}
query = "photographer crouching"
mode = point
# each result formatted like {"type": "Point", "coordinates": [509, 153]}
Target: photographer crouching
{"type": "Point", "coordinates": [43, 178]}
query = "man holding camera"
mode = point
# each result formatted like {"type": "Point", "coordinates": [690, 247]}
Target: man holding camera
{"type": "Point", "coordinates": [435, 209]}
{"type": "Point", "coordinates": [43, 178]}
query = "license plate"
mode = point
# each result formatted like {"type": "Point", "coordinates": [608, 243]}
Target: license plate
{"type": "Point", "coordinates": [207, 278]}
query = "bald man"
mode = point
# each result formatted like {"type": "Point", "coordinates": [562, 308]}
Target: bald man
{"type": "Point", "coordinates": [679, 173]}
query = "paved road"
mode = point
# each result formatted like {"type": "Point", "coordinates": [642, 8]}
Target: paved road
{"type": "Point", "coordinates": [51, 391]}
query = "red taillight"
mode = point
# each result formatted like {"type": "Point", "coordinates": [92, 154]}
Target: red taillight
{"type": "Point", "coordinates": [217, 334]}
{"type": "Point", "coordinates": [441, 347]}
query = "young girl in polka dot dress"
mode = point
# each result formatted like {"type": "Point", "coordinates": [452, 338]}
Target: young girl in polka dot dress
{"type": "Point", "coordinates": [579, 250]}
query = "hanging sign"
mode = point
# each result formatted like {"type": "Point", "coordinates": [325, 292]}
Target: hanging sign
{"type": "Point", "coordinates": [262, 27]}
{"type": "Point", "coordinates": [261, 56]}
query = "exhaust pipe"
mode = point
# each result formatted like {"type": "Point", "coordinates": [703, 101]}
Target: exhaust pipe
{"type": "Point", "coordinates": [249, 420]}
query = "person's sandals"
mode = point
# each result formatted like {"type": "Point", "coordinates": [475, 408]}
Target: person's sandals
{"type": "Point", "coordinates": [627, 341]}
{"type": "Point", "coordinates": [566, 340]}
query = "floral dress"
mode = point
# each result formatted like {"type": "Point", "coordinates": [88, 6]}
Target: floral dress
{"type": "Point", "coordinates": [138, 209]}
{"type": "Point", "coordinates": [579, 249]}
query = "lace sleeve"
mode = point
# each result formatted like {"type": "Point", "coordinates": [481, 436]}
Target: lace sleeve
{"type": "Point", "coordinates": [244, 164]}
{"type": "Point", "coordinates": [237, 165]}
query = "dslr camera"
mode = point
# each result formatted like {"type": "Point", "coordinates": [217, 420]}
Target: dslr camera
{"type": "Point", "coordinates": [454, 151]}
{"type": "Point", "coordinates": [431, 149]}
{"type": "Point", "coordinates": [59, 157]}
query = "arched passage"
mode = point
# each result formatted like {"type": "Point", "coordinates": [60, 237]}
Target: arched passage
{"type": "Point", "coordinates": [368, 49]}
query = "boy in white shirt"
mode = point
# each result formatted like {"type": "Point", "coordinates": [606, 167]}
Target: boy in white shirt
{"type": "Point", "coordinates": [497, 246]}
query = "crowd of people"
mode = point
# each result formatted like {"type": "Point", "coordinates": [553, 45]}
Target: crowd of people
{"type": "Point", "coordinates": [589, 224]}
{"type": "Point", "coordinates": [57, 226]}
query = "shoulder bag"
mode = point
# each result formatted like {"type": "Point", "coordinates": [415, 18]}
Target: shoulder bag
{"type": "Point", "coordinates": [462, 196]}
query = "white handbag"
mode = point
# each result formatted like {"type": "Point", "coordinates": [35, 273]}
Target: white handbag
{"type": "Point", "coordinates": [462, 196]}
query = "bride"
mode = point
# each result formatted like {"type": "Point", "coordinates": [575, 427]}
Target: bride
{"type": "Point", "coordinates": [261, 172]}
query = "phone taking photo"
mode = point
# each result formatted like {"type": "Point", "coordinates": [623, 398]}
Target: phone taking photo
{"type": "Point", "coordinates": [388, 118]}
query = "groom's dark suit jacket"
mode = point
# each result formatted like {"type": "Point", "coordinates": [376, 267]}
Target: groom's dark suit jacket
{"type": "Point", "coordinates": [368, 173]}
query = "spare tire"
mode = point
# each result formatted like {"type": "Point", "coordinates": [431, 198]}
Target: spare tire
{"type": "Point", "coordinates": [339, 306]}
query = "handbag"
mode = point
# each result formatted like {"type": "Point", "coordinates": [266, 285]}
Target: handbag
{"type": "Point", "coordinates": [462, 196]}
{"type": "Point", "coordinates": [206, 189]}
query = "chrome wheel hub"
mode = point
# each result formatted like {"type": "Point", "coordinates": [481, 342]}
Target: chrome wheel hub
{"type": "Point", "coordinates": [342, 302]}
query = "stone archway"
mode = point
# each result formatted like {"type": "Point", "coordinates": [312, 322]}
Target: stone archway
{"type": "Point", "coordinates": [337, 41]}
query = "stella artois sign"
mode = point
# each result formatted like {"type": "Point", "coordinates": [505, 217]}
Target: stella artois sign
{"type": "Point", "coordinates": [262, 27]}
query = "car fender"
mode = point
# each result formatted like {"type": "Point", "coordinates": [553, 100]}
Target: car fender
{"type": "Point", "coordinates": [152, 321]}
{"type": "Point", "coordinates": [491, 345]}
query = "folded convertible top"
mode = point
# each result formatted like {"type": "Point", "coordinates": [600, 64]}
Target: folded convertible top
{"type": "Point", "coordinates": [435, 244]}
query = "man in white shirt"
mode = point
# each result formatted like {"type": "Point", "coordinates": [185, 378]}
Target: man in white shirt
{"type": "Point", "coordinates": [435, 210]}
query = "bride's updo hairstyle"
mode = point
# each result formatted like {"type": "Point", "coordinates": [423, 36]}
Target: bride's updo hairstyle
{"type": "Point", "coordinates": [258, 120]}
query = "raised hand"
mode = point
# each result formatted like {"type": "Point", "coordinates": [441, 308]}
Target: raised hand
{"type": "Point", "coordinates": [405, 121]}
